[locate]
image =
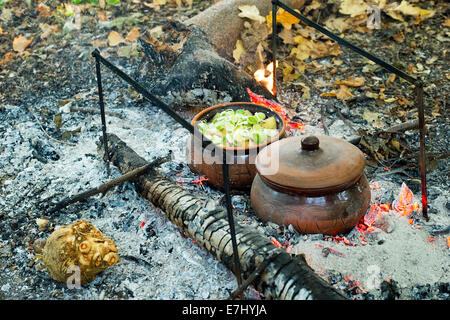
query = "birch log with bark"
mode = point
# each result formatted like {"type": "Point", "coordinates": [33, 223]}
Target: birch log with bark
{"type": "Point", "coordinates": [285, 277]}
{"type": "Point", "coordinates": [225, 13]}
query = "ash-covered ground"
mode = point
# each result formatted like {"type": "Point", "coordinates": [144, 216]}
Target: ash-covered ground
{"type": "Point", "coordinates": [403, 261]}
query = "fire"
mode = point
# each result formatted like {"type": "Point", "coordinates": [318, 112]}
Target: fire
{"type": "Point", "coordinates": [292, 125]}
{"type": "Point", "coordinates": [405, 204]}
{"type": "Point", "coordinates": [265, 77]}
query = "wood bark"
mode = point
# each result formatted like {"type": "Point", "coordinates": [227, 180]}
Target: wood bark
{"type": "Point", "coordinates": [226, 13]}
{"type": "Point", "coordinates": [285, 277]}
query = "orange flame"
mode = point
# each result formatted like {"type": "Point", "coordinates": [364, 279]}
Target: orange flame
{"type": "Point", "coordinates": [405, 204]}
{"type": "Point", "coordinates": [265, 77]}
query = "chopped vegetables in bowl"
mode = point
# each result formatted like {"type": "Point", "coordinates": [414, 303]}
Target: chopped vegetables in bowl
{"type": "Point", "coordinates": [239, 128]}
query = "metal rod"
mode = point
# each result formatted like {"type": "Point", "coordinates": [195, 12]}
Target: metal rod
{"type": "Point", "coordinates": [274, 47]}
{"type": "Point", "coordinates": [152, 98]}
{"type": "Point", "coordinates": [226, 186]}
{"type": "Point", "coordinates": [345, 43]}
{"type": "Point", "coordinates": [144, 92]}
{"type": "Point", "coordinates": [423, 170]}
{"type": "Point", "coordinates": [102, 111]}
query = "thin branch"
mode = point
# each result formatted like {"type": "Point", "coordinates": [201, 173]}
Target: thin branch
{"type": "Point", "coordinates": [106, 186]}
{"type": "Point", "coordinates": [48, 136]}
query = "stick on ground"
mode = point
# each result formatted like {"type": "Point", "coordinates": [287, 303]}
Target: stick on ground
{"type": "Point", "coordinates": [108, 185]}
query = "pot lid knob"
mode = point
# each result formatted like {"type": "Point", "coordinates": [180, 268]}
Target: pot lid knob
{"type": "Point", "coordinates": [310, 143]}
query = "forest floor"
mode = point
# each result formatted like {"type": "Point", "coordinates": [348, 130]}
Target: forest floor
{"type": "Point", "coordinates": [47, 80]}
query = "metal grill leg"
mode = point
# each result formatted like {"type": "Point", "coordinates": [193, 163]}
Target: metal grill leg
{"type": "Point", "coordinates": [102, 111]}
{"type": "Point", "coordinates": [226, 186]}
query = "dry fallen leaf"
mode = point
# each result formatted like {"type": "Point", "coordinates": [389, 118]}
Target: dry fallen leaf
{"type": "Point", "coordinates": [391, 78]}
{"type": "Point", "coordinates": [446, 23]}
{"type": "Point", "coordinates": [21, 43]}
{"type": "Point", "coordinates": [102, 16]}
{"type": "Point", "coordinates": [47, 30]}
{"type": "Point", "coordinates": [353, 7]}
{"type": "Point", "coordinates": [114, 38]}
{"type": "Point", "coordinates": [342, 94]}
{"type": "Point", "coordinates": [283, 17]}
{"type": "Point", "coordinates": [337, 62]}
{"type": "Point", "coordinates": [351, 82]}
{"type": "Point", "coordinates": [43, 10]}
{"type": "Point", "coordinates": [133, 35]}
{"type": "Point", "coordinates": [397, 11]}
{"type": "Point", "coordinates": [238, 51]}
{"type": "Point", "coordinates": [287, 36]}
{"type": "Point", "coordinates": [411, 10]}
{"type": "Point", "coordinates": [251, 12]}
{"type": "Point", "coordinates": [8, 57]}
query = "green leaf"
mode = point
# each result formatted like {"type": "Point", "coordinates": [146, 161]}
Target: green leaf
{"type": "Point", "coordinates": [113, 2]}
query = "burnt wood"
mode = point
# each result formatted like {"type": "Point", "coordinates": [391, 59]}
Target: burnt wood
{"type": "Point", "coordinates": [193, 74]}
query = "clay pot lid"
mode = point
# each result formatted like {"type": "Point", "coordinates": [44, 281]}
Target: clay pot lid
{"type": "Point", "coordinates": [313, 163]}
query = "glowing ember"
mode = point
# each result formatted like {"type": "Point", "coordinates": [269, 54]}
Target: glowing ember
{"type": "Point", "coordinates": [405, 204]}
{"type": "Point", "coordinates": [275, 242]}
{"type": "Point", "coordinates": [353, 284]}
{"type": "Point", "coordinates": [332, 251]}
{"type": "Point", "coordinates": [277, 108]}
{"type": "Point", "coordinates": [279, 245]}
{"type": "Point", "coordinates": [265, 77]}
{"type": "Point", "coordinates": [199, 181]}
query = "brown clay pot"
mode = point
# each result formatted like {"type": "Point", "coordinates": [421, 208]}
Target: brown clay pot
{"type": "Point", "coordinates": [241, 160]}
{"type": "Point", "coordinates": [319, 187]}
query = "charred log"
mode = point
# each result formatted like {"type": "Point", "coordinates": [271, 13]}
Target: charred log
{"type": "Point", "coordinates": [285, 277]}
{"type": "Point", "coordinates": [184, 70]}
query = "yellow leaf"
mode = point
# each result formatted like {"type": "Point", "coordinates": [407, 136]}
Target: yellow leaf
{"type": "Point", "coordinates": [372, 95]}
{"type": "Point", "coordinates": [351, 82]}
{"type": "Point", "coordinates": [115, 38]}
{"type": "Point", "coordinates": [300, 53]}
{"type": "Point", "coordinates": [133, 35]}
{"type": "Point", "coordinates": [342, 94]}
{"type": "Point", "coordinates": [283, 17]}
{"type": "Point", "coordinates": [238, 51]}
{"type": "Point", "coordinates": [353, 7]}
{"type": "Point", "coordinates": [21, 43]}
{"type": "Point", "coordinates": [332, 93]}
{"type": "Point", "coordinates": [411, 10]}
{"type": "Point", "coordinates": [390, 100]}
{"type": "Point", "coordinates": [337, 62]}
{"type": "Point", "coordinates": [251, 12]}
{"type": "Point", "coordinates": [446, 23]}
